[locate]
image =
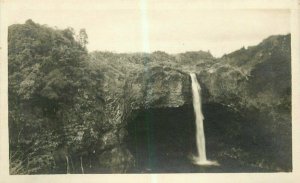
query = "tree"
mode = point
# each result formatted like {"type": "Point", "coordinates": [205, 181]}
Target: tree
{"type": "Point", "coordinates": [46, 67]}
{"type": "Point", "coordinates": [83, 38]}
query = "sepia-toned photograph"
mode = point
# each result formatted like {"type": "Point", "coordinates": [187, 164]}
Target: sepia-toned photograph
{"type": "Point", "coordinates": [147, 87]}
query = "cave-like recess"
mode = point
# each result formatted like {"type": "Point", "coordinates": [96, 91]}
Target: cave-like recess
{"type": "Point", "coordinates": [162, 140]}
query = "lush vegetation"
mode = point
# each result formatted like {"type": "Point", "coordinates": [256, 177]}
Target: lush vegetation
{"type": "Point", "coordinates": [48, 79]}
{"type": "Point", "coordinates": [69, 109]}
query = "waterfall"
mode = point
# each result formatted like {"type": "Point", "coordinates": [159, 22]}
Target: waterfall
{"type": "Point", "coordinates": [200, 135]}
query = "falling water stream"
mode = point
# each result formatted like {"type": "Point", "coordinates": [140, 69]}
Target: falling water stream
{"type": "Point", "coordinates": [200, 136]}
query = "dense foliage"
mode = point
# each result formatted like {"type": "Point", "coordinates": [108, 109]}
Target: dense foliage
{"type": "Point", "coordinates": [47, 78]}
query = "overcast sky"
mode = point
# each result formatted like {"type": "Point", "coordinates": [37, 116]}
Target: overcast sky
{"type": "Point", "coordinates": [141, 25]}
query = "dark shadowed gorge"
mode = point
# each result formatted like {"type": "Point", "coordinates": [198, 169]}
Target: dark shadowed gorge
{"type": "Point", "coordinates": [71, 111]}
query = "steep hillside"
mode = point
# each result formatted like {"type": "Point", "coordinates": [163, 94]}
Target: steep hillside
{"type": "Point", "coordinates": [256, 84]}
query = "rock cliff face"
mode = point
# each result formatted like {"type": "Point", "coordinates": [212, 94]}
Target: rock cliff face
{"type": "Point", "coordinates": [158, 87]}
{"type": "Point", "coordinates": [237, 81]}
